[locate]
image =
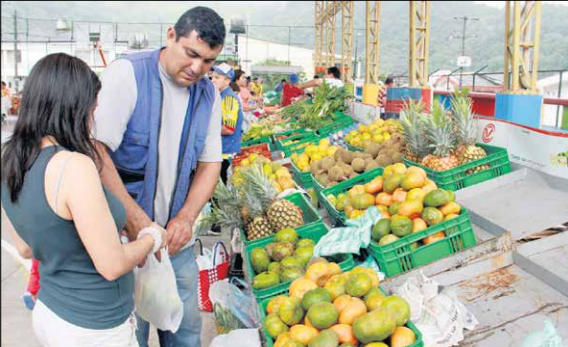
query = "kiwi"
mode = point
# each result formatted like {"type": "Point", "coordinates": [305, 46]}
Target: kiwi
{"type": "Point", "coordinates": [323, 180]}
{"type": "Point", "coordinates": [383, 160]}
{"type": "Point", "coordinates": [336, 174]}
{"type": "Point", "coordinates": [358, 165]}
{"type": "Point", "coordinates": [357, 155]}
{"type": "Point", "coordinates": [397, 157]}
{"type": "Point", "coordinates": [373, 149]}
{"type": "Point", "coordinates": [314, 167]}
{"type": "Point", "coordinates": [371, 165]}
{"type": "Point", "coordinates": [347, 157]}
{"type": "Point", "coordinates": [347, 170]}
{"type": "Point", "coordinates": [327, 163]}
{"type": "Point", "coordinates": [338, 154]}
{"type": "Point", "coordinates": [353, 175]}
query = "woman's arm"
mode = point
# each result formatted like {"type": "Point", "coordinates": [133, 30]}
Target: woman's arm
{"type": "Point", "coordinates": [82, 193]}
{"type": "Point", "coordinates": [23, 248]}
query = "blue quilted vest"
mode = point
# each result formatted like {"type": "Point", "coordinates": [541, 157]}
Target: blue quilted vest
{"type": "Point", "coordinates": [137, 156]}
{"type": "Point", "coordinates": [232, 143]}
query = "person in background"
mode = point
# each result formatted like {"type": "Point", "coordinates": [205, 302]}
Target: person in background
{"type": "Point", "coordinates": [5, 90]}
{"type": "Point", "coordinates": [49, 171]}
{"type": "Point", "coordinates": [256, 87]}
{"type": "Point", "coordinates": [159, 127]}
{"type": "Point", "coordinates": [382, 103]}
{"type": "Point", "coordinates": [248, 104]}
{"type": "Point", "coordinates": [231, 110]}
{"type": "Point", "coordinates": [332, 78]}
{"type": "Point", "coordinates": [279, 86]}
{"type": "Point", "coordinates": [231, 130]}
{"type": "Point", "coordinates": [291, 90]}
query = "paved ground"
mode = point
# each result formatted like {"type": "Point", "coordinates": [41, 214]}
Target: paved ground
{"type": "Point", "coordinates": [16, 319]}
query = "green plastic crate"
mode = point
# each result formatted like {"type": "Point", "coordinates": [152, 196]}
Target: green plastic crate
{"type": "Point", "coordinates": [281, 144]}
{"type": "Point", "coordinates": [311, 216]}
{"type": "Point", "coordinates": [341, 121]}
{"type": "Point", "coordinates": [314, 232]}
{"type": "Point", "coordinates": [270, 342]}
{"type": "Point", "coordinates": [287, 134]}
{"type": "Point", "coordinates": [456, 179]}
{"type": "Point", "coordinates": [398, 257]}
{"type": "Point", "coordinates": [353, 148]}
{"type": "Point", "coordinates": [305, 179]}
{"type": "Point", "coordinates": [339, 216]}
{"type": "Point", "coordinates": [300, 146]}
{"type": "Point", "coordinates": [260, 141]}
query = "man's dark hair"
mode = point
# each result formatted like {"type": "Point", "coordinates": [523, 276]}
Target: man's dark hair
{"type": "Point", "coordinates": [283, 81]}
{"type": "Point", "coordinates": [316, 77]}
{"type": "Point", "coordinates": [255, 79]}
{"type": "Point", "coordinates": [389, 80]}
{"type": "Point", "coordinates": [3, 83]}
{"type": "Point", "coordinates": [334, 71]}
{"type": "Point", "coordinates": [206, 22]}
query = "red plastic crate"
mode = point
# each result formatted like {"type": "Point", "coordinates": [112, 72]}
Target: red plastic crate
{"type": "Point", "coordinates": [263, 150]}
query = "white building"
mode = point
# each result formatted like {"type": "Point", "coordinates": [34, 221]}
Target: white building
{"type": "Point", "coordinates": [254, 52]}
{"type": "Point", "coordinates": [31, 52]}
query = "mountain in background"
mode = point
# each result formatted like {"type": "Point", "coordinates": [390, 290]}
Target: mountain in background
{"type": "Point", "coordinates": [486, 48]}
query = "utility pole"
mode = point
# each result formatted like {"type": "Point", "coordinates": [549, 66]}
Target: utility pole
{"type": "Point", "coordinates": [463, 37]}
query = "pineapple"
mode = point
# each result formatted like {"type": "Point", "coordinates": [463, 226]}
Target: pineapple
{"type": "Point", "coordinates": [412, 121]}
{"type": "Point", "coordinates": [226, 209]}
{"type": "Point", "coordinates": [284, 214]}
{"type": "Point", "coordinates": [438, 131]}
{"type": "Point", "coordinates": [253, 206]}
{"type": "Point", "coordinates": [466, 131]}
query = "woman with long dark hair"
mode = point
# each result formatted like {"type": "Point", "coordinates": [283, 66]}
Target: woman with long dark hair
{"type": "Point", "coordinates": [63, 215]}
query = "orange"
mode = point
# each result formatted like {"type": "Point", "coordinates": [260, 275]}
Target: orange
{"type": "Point", "coordinates": [399, 195]}
{"type": "Point", "coordinates": [418, 224]}
{"type": "Point", "coordinates": [384, 199]}
{"type": "Point", "coordinates": [345, 333]}
{"type": "Point", "coordinates": [433, 238]}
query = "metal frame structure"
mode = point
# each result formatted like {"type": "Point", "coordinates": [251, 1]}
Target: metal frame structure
{"type": "Point", "coordinates": [372, 41]}
{"type": "Point", "coordinates": [318, 51]}
{"type": "Point", "coordinates": [419, 42]}
{"type": "Point", "coordinates": [347, 12]}
{"type": "Point", "coordinates": [522, 43]}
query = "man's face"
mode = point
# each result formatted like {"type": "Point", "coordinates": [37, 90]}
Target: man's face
{"type": "Point", "coordinates": [188, 59]}
{"type": "Point", "coordinates": [220, 81]}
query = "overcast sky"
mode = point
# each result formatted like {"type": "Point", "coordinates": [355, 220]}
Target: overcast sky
{"type": "Point", "coordinates": [501, 4]}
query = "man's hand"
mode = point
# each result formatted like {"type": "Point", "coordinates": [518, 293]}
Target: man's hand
{"type": "Point", "coordinates": [180, 231]}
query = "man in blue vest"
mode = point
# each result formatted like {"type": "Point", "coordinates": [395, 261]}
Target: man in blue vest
{"type": "Point", "coordinates": [159, 121]}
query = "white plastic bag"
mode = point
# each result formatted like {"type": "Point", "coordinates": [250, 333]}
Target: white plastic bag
{"type": "Point", "coordinates": [440, 316]}
{"type": "Point", "coordinates": [156, 297]}
{"type": "Point", "coordinates": [237, 338]}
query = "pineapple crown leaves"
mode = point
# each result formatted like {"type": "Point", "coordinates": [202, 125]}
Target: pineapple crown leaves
{"type": "Point", "coordinates": [225, 210]}
{"type": "Point", "coordinates": [256, 185]}
{"type": "Point", "coordinates": [439, 131]}
{"type": "Point", "coordinates": [464, 123]}
{"type": "Point", "coordinates": [412, 121]}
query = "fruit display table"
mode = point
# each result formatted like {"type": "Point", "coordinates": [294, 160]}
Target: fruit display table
{"type": "Point", "coordinates": [516, 277]}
